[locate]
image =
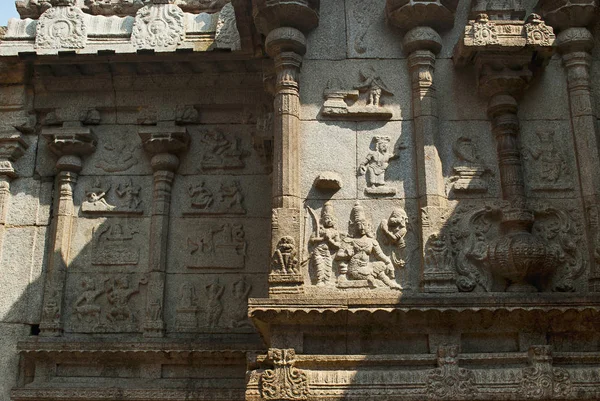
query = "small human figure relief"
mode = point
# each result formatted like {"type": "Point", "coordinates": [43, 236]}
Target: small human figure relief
{"type": "Point", "coordinates": [96, 199]}
{"type": "Point", "coordinates": [159, 26]}
{"type": "Point", "coordinates": [395, 229]}
{"type": "Point", "coordinates": [214, 304]}
{"type": "Point", "coordinates": [221, 151]}
{"type": "Point", "coordinates": [438, 275]}
{"type": "Point", "coordinates": [356, 268]}
{"type": "Point", "coordinates": [375, 165]}
{"type": "Point", "coordinates": [107, 309]}
{"type": "Point", "coordinates": [130, 193]}
{"type": "Point", "coordinates": [349, 103]}
{"type": "Point", "coordinates": [228, 199]}
{"type": "Point", "coordinates": [219, 246]}
{"type": "Point", "coordinates": [238, 312]}
{"type": "Point", "coordinates": [114, 245]}
{"type": "Point", "coordinates": [187, 308]}
{"type": "Point", "coordinates": [469, 170]}
{"type": "Point", "coordinates": [85, 307]}
{"type": "Point", "coordinates": [325, 241]}
{"type": "Point", "coordinates": [51, 310]}
{"type": "Point", "coordinates": [117, 156]}
{"type": "Point", "coordinates": [551, 171]}
{"type": "Point", "coordinates": [285, 257]}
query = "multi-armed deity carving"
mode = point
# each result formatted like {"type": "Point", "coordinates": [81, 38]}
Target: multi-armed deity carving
{"type": "Point", "coordinates": [549, 168]}
{"type": "Point", "coordinates": [326, 241]}
{"type": "Point", "coordinates": [356, 269]}
{"type": "Point", "coordinates": [375, 166]}
{"type": "Point", "coordinates": [364, 100]}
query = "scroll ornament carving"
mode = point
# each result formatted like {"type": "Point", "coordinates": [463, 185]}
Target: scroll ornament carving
{"type": "Point", "coordinates": [356, 268]}
{"type": "Point", "coordinates": [61, 28]}
{"type": "Point", "coordinates": [448, 381]}
{"type": "Point", "coordinates": [158, 26]}
{"type": "Point", "coordinates": [325, 240]}
{"type": "Point", "coordinates": [541, 380]}
{"type": "Point", "coordinates": [485, 32]}
{"type": "Point", "coordinates": [538, 33]}
{"type": "Point", "coordinates": [285, 381]}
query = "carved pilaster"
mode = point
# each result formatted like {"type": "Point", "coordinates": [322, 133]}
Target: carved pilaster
{"type": "Point", "coordinates": [284, 381]}
{"type": "Point", "coordinates": [70, 143]}
{"type": "Point", "coordinates": [163, 143]}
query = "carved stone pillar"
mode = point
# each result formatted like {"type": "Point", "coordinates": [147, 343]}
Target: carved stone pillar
{"type": "Point", "coordinates": [575, 43]}
{"type": "Point", "coordinates": [163, 143]}
{"type": "Point", "coordinates": [422, 43]}
{"type": "Point", "coordinates": [70, 143]}
{"type": "Point", "coordinates": [283, 22]}
{"type": "Point", "coordinates": [503, 65]}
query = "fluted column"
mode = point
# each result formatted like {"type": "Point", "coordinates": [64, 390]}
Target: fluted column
{"type": "Point", "coordinates": [163, 143]}
{"type": "Point", "coordinates": [70, 144]}
{"type": "Point", "coordinates": [285, 23]}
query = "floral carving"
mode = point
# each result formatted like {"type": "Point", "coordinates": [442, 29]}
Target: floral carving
{"type": "Point", "coordinates": [541, 380]}
{"type": "Point", "coordinates": [485, 32]}
{"type": "Point", "coordinates": [449, 381]}
{"type": "Point", "coordinates": [61, 28]}
{"type": "Point", "coordinates": [538, 33]}
{"type": "Point", "coordinates": [158, 26]}
{"type": "Point", "coordinates": [285, 381]}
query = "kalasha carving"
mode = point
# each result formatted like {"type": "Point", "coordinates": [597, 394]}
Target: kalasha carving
{"type": "Point", "coordinates": [550, 170]}
{"type": "Point", "coordinates": [448, 381]}
{"type": "Point", "coordinates": [114, 245]}
{"type": "Point", "coordinates": [96, 203]}
{"type": "Point", "coordinates": [551, 255]}
{"type": "Point", "coordinates": [220, 246]}
{"type": "Point", "coordinates": [158, 26]}
{"type": "Point", "coordinates": [110, 314]}
{"type": "Point", "coordinates": [221, 151]}
{"type": "Point", "coordinates": [541, 381]}
{"type": "Point", "coordinates": [469, 170]}
{"type": "Point", "coordinates": [356, 268]}
{"type": "Point", "coordinates": [117, 156]}
{"type": "Point", "coordinates": [375, 166]}
{"type": "Point", "coordinates": [227, 200]}
{"type": "Point", "coordinates": [284, 381]}
{"type": "Point", "coordinates": [345, 103]}
{"type": "Point", "coordinates": [61, 27]}
{"type": "Point", "coordinates": [325, 241]}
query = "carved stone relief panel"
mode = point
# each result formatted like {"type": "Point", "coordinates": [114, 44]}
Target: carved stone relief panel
{"type": "Point", "coordinates": [61, 27]}
{"type": "Point", "coordinates": [371, 244]}
{"type": "Point", "coordinates": [114, 195]}
{"type": "Point", "coordinates": [211, 302]}
{"type": "Point", "coordinates": [218, 244]}
{"type": "Point", "coordinates": [115, 245]}
{"type": "Point", "coordinates": [326, 83]}
{"type": "Point", "coordinates": [368, 34]}
{"type": "Point", "coordinates": [158, 27]}
{"type": "Point", "coordinates": [104, 303]}
{"type": "Point", "coordinates": [385, 161]}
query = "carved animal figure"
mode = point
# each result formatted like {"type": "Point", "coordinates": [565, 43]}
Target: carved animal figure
{"type": "Point", "coordinates": [285, 258]}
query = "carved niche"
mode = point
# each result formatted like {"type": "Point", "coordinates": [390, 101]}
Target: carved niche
{"type": "Point", "coordinates": [61, 27]}
{"type": "Point", "coordinates": [363, 101]}
{"type": "Point", "coordinates": [219, 246]}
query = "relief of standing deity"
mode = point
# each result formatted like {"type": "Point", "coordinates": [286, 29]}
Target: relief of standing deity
{"type": "Point", "coordinates": [325, 239]}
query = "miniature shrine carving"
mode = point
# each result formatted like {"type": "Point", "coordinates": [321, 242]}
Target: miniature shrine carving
{"type": "Point", "coordinates": [96, 199]}
{"type": "Point", "coordinates": [375, 166]}
{"type": "Point", "coordinates": [61, 27]}
{"type": "Point", "coordinates": [228, 199]}
{"type": "Point", "coordinates": [549, 164]}
{"type": "Point", "coordinates": [218, 246]}
{"type": "Point", "coordinates": [438, 274]}
{"type": "Point", "coordinates": [469, 170]}
{"type": "Point", "coordinates": [187, 309]}
{"type": "Point", "coordinates": [356, 268]}
{"type": "Point", "coordinates": [349, 103]}
{"type": "Point", "coordinates": [114, 244]}
{"type": "Point", "coordinates": [221, 151]}
{"type": "Point", "coordinates": [326, 242]}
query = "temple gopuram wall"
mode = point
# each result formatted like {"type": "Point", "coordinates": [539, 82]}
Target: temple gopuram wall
{"type": "Point", "coordinates": [300, 200]}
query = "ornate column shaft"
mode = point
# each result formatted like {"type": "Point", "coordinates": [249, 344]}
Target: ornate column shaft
{"type": "Point", "coordinates": [163, 143]}
{"type": "Point", "coordinates": [70, 143]}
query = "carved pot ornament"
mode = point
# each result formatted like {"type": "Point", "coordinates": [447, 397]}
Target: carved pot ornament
{"type": "Point", "coordinates": [61, 28]}
{"type": "Point", "coordinates": [158, 26]}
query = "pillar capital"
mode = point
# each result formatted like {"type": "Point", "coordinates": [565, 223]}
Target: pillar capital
{"type": "Point", "coordinates": [12, 147]}
{"type": "Point", "coordinates": [408, 14]}
{"type": "Point", "coordinates": [70, 143]}
{"type": "Point", "coordinates": [163, 142]}
{"type": "Point", "coordinates": [302, 15]}
{"type": "Point", "coordinates": [564, 14]}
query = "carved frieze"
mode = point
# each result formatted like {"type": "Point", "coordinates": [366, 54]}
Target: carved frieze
{"type": "Point", "coordinates": [61, 27]}
{"type": "Point", "coordinates": [219, 246]}
{"type": "Point", "coordinates": [158, 27]}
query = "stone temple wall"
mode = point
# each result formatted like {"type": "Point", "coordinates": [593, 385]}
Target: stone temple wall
{"type": "Point", "coordinates": [299, 200]}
